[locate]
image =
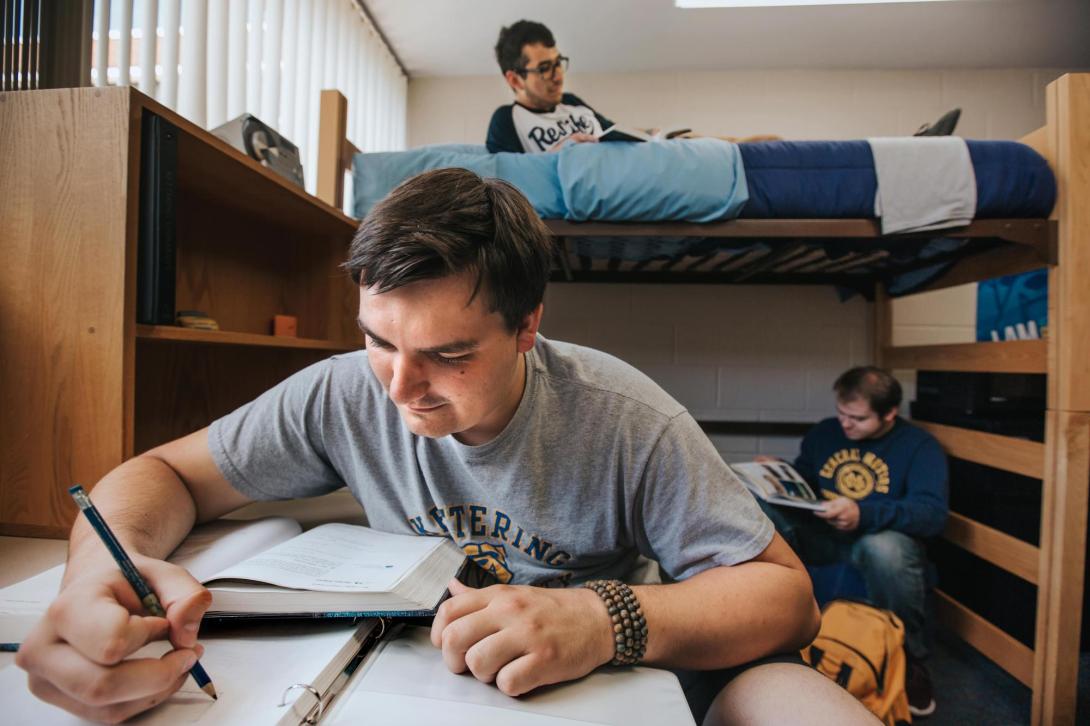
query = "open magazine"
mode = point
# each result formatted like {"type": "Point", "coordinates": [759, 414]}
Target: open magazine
{"type": "Point", "coordinates": [777, 482]}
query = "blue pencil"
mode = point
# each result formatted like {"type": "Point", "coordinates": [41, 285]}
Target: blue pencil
{"type": "Point", "coordinates": [150, 600]}
{"type": "Point", "coordinates": [9, 647]}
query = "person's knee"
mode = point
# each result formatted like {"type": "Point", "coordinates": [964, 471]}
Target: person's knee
{"type": "Point", "coordinates": [886, 551]}
{"type": "Point", "coordinates": [779, 693]}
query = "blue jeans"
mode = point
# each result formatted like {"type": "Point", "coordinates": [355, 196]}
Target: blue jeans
{"type": "Point", "coordinates": [893, 565]}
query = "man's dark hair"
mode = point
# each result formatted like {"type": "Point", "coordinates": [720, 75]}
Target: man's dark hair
{"type": "Point", "coordinates": [513, 38]}
{"type": "Point", "coordinates": [449, 221]}
{"type": "Point", "coordinates": [874, 385]}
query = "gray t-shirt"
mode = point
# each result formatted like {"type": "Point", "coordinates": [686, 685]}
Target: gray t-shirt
{"type": "Point", "coordinates": [598, 466]}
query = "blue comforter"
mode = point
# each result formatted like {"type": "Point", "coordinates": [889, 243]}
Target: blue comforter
{"type": "Point", "coordinates": [701, 180]}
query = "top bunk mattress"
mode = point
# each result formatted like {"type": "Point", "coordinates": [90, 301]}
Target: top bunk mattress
{"type": "Point", "coordinates": [704, 180]}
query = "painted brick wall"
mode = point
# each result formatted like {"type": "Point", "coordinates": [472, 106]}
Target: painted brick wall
{"type": "Point", "coordinates": [728, 353]}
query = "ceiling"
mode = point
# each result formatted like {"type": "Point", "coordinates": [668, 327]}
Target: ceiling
{"type": "Point", "coordinates": [455, 37]}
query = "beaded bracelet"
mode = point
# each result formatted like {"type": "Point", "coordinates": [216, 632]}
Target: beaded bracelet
{"type": "Point", "coordinates": [629, 625]}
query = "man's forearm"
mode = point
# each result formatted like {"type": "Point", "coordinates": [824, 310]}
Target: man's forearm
{"type": "Point", "coordinates": [728, 615]}
{"type": "Point", "coordinates": [146, 505]}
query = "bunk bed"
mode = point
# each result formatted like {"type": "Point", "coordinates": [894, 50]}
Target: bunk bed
{"type": "Point", "coordinates": [852, 253]}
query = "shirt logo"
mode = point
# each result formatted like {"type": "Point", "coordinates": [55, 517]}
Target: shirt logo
{"type": "Point", "coordinates": [856, 474]}
{"type": "Point", "coordinates": [490, 558]}
{"type": "Point", "coordinates": [545, 137]}
{"type": "Point", "coordinates": [854, 480]}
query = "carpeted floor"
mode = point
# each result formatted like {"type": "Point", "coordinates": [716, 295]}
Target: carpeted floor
{"type": "Point", "coordinates": [970, 689]}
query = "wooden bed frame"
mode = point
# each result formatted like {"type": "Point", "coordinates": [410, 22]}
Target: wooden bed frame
{"type": "Point", "coordinates": [1062, 461]}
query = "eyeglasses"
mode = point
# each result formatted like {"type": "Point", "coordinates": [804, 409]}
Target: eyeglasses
{"type": "Point", "coordinates": [547, 69]}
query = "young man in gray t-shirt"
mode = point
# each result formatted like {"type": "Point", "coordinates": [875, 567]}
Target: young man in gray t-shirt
{"type": "Point", "coordinates": [549, 464]}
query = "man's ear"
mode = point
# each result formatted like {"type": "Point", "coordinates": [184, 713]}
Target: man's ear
{"type": "Point", "coordinates": [514, 80]}
{"type": "Point", "coordinates": [526, 334]}
{"type": "Point", "coordinates": [891, 414]}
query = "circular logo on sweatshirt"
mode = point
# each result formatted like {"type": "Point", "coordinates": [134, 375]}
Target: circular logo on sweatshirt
{"type": "Point", "coordinates": [854, 480]}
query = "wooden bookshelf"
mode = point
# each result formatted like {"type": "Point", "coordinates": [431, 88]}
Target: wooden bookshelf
{"type": "Point", "coordinates": [83, 386]}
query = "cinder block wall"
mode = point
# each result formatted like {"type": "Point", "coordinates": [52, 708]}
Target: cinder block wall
{"type": "Point", "coordinates": [749, 352]}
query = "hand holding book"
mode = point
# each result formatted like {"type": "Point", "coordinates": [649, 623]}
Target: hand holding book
{"type": "Point", "coordinates": [841, 513]}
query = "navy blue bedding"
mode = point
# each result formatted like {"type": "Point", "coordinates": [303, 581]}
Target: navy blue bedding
{"type": "Point", "coordinates": [835, 179]}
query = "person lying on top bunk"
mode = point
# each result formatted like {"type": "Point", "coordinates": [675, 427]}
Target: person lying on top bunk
{"type": "Point", "coordinates": [543, 118]}
{"type": "Point", "coordinates": [886, 482]}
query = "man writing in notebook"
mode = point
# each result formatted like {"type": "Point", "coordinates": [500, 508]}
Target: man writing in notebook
{"type": "Point", "coordinates": [886, 485]}
{"type": "Point", "coordinates": [548, 463]}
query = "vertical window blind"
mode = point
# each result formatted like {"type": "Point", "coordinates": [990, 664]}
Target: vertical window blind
{"type": "Point", "coordinates": [212, 60]}
{"type": "Point", "coordinates": [20, 33]}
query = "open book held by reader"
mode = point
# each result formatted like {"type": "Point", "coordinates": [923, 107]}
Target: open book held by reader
{"type": "Point", "coordinates": [777, 482]}
{"type": "Point", "coordinates": [617, 132]}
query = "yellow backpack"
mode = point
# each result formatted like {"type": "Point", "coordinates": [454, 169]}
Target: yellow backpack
{"type": "Point", "coordinates": [861, 647]}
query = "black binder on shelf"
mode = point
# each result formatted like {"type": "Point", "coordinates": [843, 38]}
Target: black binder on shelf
{"type": "Point", "coordinates": [155, 256]}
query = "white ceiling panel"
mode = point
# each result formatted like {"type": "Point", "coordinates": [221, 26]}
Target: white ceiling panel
{"type": "Point", "coordinates": [455, 37]}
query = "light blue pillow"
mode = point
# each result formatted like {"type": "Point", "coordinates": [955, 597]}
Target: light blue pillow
{"type": "Point", "coordinates": [695, 180]}
{"type": "Point", "coordinates": [376, 174]}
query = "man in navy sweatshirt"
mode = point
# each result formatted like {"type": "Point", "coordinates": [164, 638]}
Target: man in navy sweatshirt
{"type": "Point", "coordinates": [886, 485]}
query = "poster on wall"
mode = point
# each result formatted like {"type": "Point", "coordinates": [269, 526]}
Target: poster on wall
{"type": "Point", "coordinates": [1013, 307]}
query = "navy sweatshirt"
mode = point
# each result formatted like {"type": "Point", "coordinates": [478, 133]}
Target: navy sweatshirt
{"type": "Point", "coordinates": [898, 480]}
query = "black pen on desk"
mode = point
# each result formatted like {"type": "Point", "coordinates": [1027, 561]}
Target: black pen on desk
{"type": "Point", "coordinates": [147, 597]}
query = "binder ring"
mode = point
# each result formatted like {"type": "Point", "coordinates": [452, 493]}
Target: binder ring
{"type": "Point", "coordinates": [313, 691]}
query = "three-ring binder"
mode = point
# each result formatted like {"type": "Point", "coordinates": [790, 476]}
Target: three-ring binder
{"type": "Point", "coordinates": [313, 712]}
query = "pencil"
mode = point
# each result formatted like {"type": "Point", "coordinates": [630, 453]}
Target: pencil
{"type": "Point", "coordinates": [143, 591]}
{"type": "Point", "coordinates": [9, 647]}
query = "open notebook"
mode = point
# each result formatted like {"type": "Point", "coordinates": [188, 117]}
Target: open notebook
{"type": "Point", "coordinates": [405, 681]}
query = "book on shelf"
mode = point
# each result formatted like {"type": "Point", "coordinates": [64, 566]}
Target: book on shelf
{"type": "Point", "coordinates": [777, 482]}
{"type": "Point", "coordinates": [271, 568]}
{"type": "Point", "coordinates": [619, 132]}
{"type": "Point", "coordinates": [156, 262]}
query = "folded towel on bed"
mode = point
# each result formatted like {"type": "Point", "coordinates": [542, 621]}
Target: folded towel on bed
{"type": "Point", "coordinates": [923, 183]}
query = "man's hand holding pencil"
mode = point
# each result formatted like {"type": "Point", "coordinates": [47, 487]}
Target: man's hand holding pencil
{"type": "Point", "coordinates": [77, 656]}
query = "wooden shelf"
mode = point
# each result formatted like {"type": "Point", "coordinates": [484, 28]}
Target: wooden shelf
{"type": "Point", "coordinates": [226, 337]}
{"type": "Point", "coordinates": [212, 169]}
{"type": "Point", "coordinates": [1012, 356]}
{"type": "Point", "coordinates": [248, 245]}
